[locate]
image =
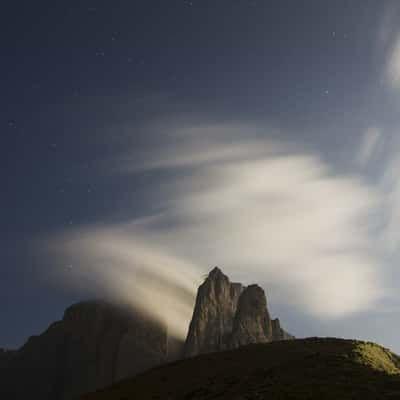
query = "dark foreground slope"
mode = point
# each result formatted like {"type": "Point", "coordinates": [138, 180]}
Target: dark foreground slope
{"type": "Point", "coordinates": [300, 369]}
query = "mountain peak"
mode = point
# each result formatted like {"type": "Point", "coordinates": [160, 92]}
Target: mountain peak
{"type": "Point", "coordinates": [213, 314]}
{"type": "Point", "coordinates": [228, 315]}
{"type": "Point", "coordinates": [216, 272]}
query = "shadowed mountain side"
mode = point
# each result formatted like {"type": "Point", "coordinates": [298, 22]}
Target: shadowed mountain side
{"type": "Point", "coordinates": [314, 368]}
{"type": "Point", "coordinates": [94, 345]}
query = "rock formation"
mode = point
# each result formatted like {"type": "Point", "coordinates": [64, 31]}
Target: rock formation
{"type": "Point", "coordinates": [228, 315]}
{"type": "Point", "coordinates": [97, 343]}
{"type": "Point", "coordinates": [252, 323]}
{"type": "Point", "coordinates": [278, 333]}
{"type": "Point", "coordinates": [212, 322]}
{"type": "Point", "coordinates": [94, 345]}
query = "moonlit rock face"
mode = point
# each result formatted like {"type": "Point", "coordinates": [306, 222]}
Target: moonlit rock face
{"type": "Point", "coordinates": [213, 314]}
{"type": "Point", "coordinates": [252, 323]}
{"type": "Point", "coordinates": [227, 315]}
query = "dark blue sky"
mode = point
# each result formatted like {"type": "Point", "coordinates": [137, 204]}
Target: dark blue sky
{"type": "Point", "coordinates": [81, 79]}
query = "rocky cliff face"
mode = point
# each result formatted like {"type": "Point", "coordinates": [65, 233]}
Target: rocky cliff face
{"type": "Point", "coordinates": [228, 315]}
{"type": "Point", "coordinates": [252, 323]}
{"type": "Point", "coordinates": [213, 315]}
{"type": "Point", "coordinates": [278, 333]}
{"type": "Point", "coordinates": [94, 345]}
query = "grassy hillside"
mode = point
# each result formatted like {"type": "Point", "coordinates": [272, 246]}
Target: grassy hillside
{"type": "Point", "coordinates": [312, 368]}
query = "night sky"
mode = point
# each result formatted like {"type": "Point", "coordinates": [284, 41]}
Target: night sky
{"type": "Point", "coordinates": [260, 136]}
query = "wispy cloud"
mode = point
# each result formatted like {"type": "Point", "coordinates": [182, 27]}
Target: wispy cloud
{"type": "Point", "coordinates": [260, 209]}
{"type": "Point", "coordinates": [117, 262]}
{"type": "Point", "coordinates": [390, 186]}
{"type": "Point", "coordinates": [388, 43]}
{"type": "Point", "coordinates": [372, 142]}
{"type": "Point", "coordinates": [381, 149]}
{"type": "Point", "coordinates": [393, 65]}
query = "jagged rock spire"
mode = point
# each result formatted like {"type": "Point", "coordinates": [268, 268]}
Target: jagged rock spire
{"type": "Point", "coordinates": [213, 314]}
{"type": "Point", "coordinates": [228, 315]}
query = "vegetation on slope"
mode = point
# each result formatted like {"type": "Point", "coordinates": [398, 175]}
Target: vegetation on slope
{"type": "Point", "coordinates": [312, 368]}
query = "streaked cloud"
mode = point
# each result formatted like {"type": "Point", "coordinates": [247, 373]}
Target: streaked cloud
{"type": "Point", "coordinates": [260, 209]}
{"type": "Point", "coordinates": [114, 262]}
{"type": "Point", "coordinates": [390, 187]}
{"type": "Point", "coordinates": [371, 143]}
{"type": "Point", "coordinates": [388, 43]}
{"type": "Point", "coordinates": [393, 66]}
